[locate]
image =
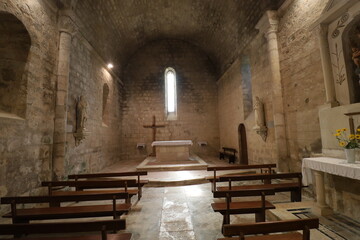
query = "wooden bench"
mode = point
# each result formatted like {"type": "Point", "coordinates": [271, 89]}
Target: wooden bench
{"type": "Point", "coordinates": [19, 229]}
{"type": "Point", "coordinates": [229, 153]}
{"type": "Point", "coordinates": [139, 184]}
{"type": "Point", "coordinates": [242, 230]}
{"type": "Point", "coordinates": [228, 207]}
{"type": "Point", "coordinates": [293, 187]}
{"type": "Point", "coordinates": [41, 213]}
{"type": "Point", "coordinates": [262, 167]}
{"type": "Point", "coordinates": [83, 185]}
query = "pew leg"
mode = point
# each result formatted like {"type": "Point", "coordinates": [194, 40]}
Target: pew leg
{"type": "Point", "coordinates": [226, 220]}
{"type": "Point", "coordinates": [140, 194]}
{"type": "Point", "coordinates": [295, 196]}
{"type": "Point", "coordinates": [260, 217]}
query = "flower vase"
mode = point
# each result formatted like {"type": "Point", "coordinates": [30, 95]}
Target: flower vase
{"type": "Point", "coordinates": [350, 155]}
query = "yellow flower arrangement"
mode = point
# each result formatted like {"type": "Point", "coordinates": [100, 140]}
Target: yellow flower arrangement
{"type": "Point", "coordinates": [350, 141]}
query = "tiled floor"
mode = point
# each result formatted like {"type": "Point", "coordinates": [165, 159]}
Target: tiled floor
{"type": "Point", "coordinates": [184, 212]}
{"type": "Point", "coordinates": [172, 212]}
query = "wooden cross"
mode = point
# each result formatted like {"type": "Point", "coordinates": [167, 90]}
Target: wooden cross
{"type": "Point", "coordinates": [154, 127]}
{"type": "Point", "coordinates": [351, 121]}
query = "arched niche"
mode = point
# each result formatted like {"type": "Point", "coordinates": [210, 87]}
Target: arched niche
{"type": "Point", "coordinates": [351, 46]}
{"type": "Point", "coordinates": [106, 91]}
{"type": "Point", "coordinates": [15, 45]}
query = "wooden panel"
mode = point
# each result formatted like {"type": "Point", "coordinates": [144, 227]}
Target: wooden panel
{"type": "Point", "coordinates": [270, 227]}
{"type": "Point", "coordinates": [115, 174]}
{"type": "Point", "coordinates": [116, 224]}
{"type": "Point", "coordinates": [248, 177]}
{"type": "Point", "coordinates": [47, 199]}
{"type": "Point", "coordinates": [217, 168]}
{"type": "Point", "coordinates": [91, 184]}
{"type": "Point", "coordinates": [244, 193]}
{"type": "Point", "coordinates": [69, 212]}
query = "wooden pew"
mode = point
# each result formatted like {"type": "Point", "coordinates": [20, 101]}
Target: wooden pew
{"type": "Point", "coordinates": [242, 230]}
{"type": "Point", "coordinates": [293, 187]}
{"type": "Point", "coordinates": [230, 153]}
{"type": "Point", "coordinates": [228, 207]}
{"type": "Point", "coordinates": [269, 168]}
{"type": "Point", "coordinates": [41, 213]}
{"type": "Point", "coordinates": [139, 184]}
{"type": "Point", "coordinates": [19, 229]}
{"type": "Point", "coordinates": [83, 185]}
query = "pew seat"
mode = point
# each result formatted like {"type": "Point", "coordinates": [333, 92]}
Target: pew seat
{"type": "Point", "coordinates": [284, 230]}
{"type": "Point", "coordinates": [17, 230]}
{"type": "Point", "coordinates": [41, 213]}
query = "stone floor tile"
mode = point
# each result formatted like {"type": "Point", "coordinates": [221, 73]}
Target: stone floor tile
{"type": "Point", "coordinates": [183, 235]}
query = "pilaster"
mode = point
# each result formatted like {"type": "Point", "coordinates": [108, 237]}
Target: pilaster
{"type": "Point", "coordinates": [67, 29]}
{"type": "Point", "coordinates": [268, 25]}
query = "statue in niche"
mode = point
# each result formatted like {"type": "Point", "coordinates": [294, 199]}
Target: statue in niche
{"type": "Point", "coordinates": [355, 51]}
{"type": "Point", "coordinates": [81, 117]}
{"type": "Point", "coordinates": [260, 127]}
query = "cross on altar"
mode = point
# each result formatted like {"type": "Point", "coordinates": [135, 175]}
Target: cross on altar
{"type": "Point", "coordinates": [154, 127]}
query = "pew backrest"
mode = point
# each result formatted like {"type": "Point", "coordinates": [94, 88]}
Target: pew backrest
{"type": "Point", "coordinates": [62, 227]}
{"type": "Point", "coordinates": [268, 167]}
{"type": "Point", "coordinates": [249, 177]}
{"type": "Point", "coordinates": [81, 185]}
{"type": "Point", "coordinates": [66, 198]}
{"type": "Point", "coordinates": [272, 227]}
{"type": "Point", "coordinates": [243, 193]}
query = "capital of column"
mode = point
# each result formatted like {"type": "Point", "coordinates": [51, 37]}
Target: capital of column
{"type": "Point", "coordinates": [67, 25]}
{"type": "Point", "coordinates": [269, 23]}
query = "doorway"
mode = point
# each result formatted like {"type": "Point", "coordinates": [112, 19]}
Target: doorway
{"type": "Point", "coordinates": [243, 153]}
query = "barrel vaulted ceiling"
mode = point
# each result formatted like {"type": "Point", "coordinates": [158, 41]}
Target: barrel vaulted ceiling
{"type": "Point", "coordinates": [221, 28]}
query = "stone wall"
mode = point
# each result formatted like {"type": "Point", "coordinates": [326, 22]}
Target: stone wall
{"type": "Point", "coordinates": [303, 89]}
{"type": "Point", "coordinates": [235, 112]}
{"type": "Point", "coordinates": [145, 97]}
{"type": "Point", "coordinates": [26, 141]}
{"type": "Point", "coordinates": [88, 76]}
{"type": "Point", "coordinates": [302, 78]}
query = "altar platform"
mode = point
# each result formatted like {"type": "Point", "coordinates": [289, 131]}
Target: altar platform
{"type": "Point", "coordinates": [193, 162]}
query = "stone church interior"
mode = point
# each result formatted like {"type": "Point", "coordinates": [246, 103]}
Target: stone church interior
{"type": "Point", "coordinates": [180, 119]}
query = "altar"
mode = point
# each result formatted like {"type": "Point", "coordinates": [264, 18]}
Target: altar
{"type": "Point", "coordinates": [321, 165]}
{"type": "Point", "coordinates": [172, 150]}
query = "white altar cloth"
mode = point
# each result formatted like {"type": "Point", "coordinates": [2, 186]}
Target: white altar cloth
{"type": "Point", "coordinates": [172, 150]}
{"type": "Point", "coordinates": [335, 166]}
{"type": "Point", "coordinates": [172, 143]}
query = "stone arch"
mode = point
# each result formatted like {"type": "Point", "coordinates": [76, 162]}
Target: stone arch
{"type": "Point", "coordinates": [350, 41]}
{"type": "Point", "coordinates": [15, 43]}
{"type": "Point", "coordinates": [106, 91]}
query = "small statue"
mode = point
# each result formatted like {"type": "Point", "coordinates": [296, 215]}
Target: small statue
{"type": "Point", "coordinates": [259, 113]}
{"type": "Point", "coordinates": [81, 114]}
{"type": "Point", "coordinates": [260, 127]}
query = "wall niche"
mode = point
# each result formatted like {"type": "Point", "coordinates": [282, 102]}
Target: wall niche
{"type": "Point", "coordinates": [15, 45]}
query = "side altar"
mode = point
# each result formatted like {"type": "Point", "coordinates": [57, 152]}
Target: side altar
{"type": "Point", "coordinates": [172, 150]}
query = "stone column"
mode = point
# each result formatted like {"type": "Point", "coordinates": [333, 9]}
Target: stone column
{"type": "Point", "coordinates": [326, 66]}
{"type": "Point", "coordinates": [67, 29]}
{"type": "Point", "coordinates": [320, 208]}
{"type": "Point", "coordinates": [268, 25]}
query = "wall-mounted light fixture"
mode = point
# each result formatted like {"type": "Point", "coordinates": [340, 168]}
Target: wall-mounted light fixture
{"type": "Point", "coordinates": [110, 66]}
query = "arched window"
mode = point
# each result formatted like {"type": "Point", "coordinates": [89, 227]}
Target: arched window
{"type": "Point", "coordinates": [170, 94]}
{"type": "Point", "coordinates": [15, 45]}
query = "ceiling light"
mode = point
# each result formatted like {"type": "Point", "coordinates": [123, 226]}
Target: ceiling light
{"type": "Point", "coordinates": [110, 66]}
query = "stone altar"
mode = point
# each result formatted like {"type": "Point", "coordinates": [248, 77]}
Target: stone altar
{"type": "Point", "coordinates": [172, 150]}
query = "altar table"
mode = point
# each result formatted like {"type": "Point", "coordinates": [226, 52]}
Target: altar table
{"type": "Point", "coordinates": [172, 150]}
{"type": "Point", "coordinates": [321, 165]}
